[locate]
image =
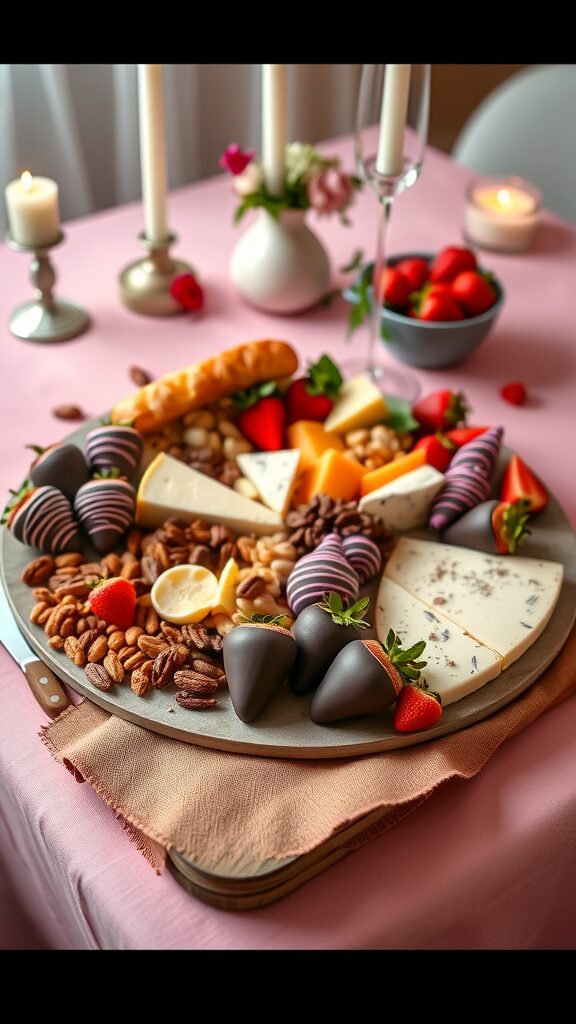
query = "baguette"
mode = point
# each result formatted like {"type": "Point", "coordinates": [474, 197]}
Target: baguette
{"type": "Point", "coordinates": [192, 387]}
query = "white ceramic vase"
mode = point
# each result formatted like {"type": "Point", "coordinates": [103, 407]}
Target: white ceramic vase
{"type": "Point", "coordinates": [280, 265]}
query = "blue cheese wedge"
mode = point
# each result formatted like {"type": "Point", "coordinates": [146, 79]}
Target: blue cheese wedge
{"type": "Point", "coordinates": [170, 488]}
{"type": "Point", "coordinates": [404, 504]}
{"type": "Point", "coordinates": [503, 601]}
{"type": "Point", "coordinates": [456, 664]}
{"type": "Point", "coordinates": [273, 474]}
{"type": "Point", "coordinates": [359, 404]}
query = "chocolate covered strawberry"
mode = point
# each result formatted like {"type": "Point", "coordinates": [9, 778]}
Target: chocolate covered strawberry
{"type": "Point", "coordinates": [258, 656]}
{"type": "Point", "coordinates": [112, 447]}
{"type": "Point", "coordinates": [468, 479]}
{"type": "Point", "coordinates": [321, 631]}
{"type": "Point", "coordinates": [497, 527]}
{"type": "Point", "coordinates": [42, 518]}
{"type": "Point", "coordinates": [520, 482]}
{"type": "Point", "coordinates": [312, 397]}
{"type": "Point", "coordinates": [105, 510]}
{"type": "Point", "coordinates": [263, 416]}
{"type": "Point", "coordinates": [60, 465]}
{"type": "Point", "coordinates": [365, 678]}
{"type": "Point", "coordinates": [364, 556]}
{"type": "Point", "coordinates": [417, 708]}
{"type": "Point", "coordinates": [324, 569]}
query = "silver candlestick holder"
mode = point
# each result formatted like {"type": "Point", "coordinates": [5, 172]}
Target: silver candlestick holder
{"type": "Point", "coordinates": [145, 285]}
{"type": "Point", "coordinates": [45, 318]}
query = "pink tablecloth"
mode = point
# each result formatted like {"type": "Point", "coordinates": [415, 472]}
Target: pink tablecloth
{"type": "Point", "coordinates": [502, 847]}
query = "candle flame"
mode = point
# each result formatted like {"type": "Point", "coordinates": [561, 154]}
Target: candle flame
{"type": "Point", "coordinates": [26, 181]}
{"type": "Point", "coordinates": [503, 196]}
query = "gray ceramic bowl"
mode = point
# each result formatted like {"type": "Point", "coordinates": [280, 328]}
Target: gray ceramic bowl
{"type": "Point", "coordinates": [428, 344]}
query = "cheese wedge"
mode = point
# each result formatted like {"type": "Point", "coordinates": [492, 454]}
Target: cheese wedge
{"type": "Point", "coordinates": [404, 504]}
{"type": "Point", "coordinates": [273, 474]}
{"type": "Point", "coordinates": [503, 601]}
{"type": "Point", "coordinates": [359, 404]}
{"type": "Point", "coordinates": [456, 664]}
{"type": "Point", "coordinates": [170, 488]}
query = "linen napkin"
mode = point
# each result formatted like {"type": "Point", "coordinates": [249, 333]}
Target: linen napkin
{"type": "Point", "coordinates": [219, 808]}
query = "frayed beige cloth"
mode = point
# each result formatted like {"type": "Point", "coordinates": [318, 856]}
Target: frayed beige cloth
{"type": "Point", "coordinates": [229, 808]}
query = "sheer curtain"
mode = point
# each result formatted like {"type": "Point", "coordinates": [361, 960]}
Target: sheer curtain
{"type": "Point", "coordinates": [78, 123]}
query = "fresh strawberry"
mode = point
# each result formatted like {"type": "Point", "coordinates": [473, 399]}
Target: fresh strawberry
{"type": "Point", "coordinates": [416, 708]}
{"type": "Point", "coordinates": [416, 270]}
{"type": "Point", "coordinates": [441, 308]}
{"type": "Point", "coordinates": [514, 393]}
{"type": "Point", "coordinates": [473, 292]}
{"type": "Point", "coordinates": [440, 410]}
{"type": "Point", "coordinates": [114, 600]}
{"type": "Point", "coordinates": [312, 397]}
{"type": "Point", "coordinates": [450, 262]}
{"type": "Point", "coordinates": [461, 435]}
{"type": "Point", "coordinates": [263, 416]}
{"type": "Point", "coordinates": [439, 450]}
{"type": "Point", "coordinates": [397, 287]}
{"type": "Point", "coordinates": [521, 483]}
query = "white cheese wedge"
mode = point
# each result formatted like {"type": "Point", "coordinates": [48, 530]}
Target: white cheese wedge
{"type": "Point", "coordinates": [170, 488]}
{"type": "Point", "coordinates": [359, 404]}
{"type": "Point", "coordinates": [456, 665]}
{"type": "Point", "coordinates": [273, 475]}
{"type": "Point", "coordinates": [503, 601]}
{"type": "Point", "coordinates": [404, 504]}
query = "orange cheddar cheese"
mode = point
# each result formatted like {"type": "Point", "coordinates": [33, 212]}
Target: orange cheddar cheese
{"type": "Point", "coordinates": [391, 471]}
{"type": "Point", "coordinates": [334, 475]}
{"type": "Point", "coordinates": [312, 440]}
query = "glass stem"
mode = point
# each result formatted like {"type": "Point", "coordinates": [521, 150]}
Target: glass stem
{"type": "Point", "coordinates": [385, 210]}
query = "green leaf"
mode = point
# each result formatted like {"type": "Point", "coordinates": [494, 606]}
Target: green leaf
{"type": "Point", "coordinates": [327, 299]}
{"type": "Point", "coordinates": [249, 396]}
{"type": "Point", "coordinates": [324, 378]}
{"type": "Point", "coordinates": [343, 615]}
{"type": "Point", "coordinates": [399, 416]}
{"type": "Point", "coordinates": [354, 263]}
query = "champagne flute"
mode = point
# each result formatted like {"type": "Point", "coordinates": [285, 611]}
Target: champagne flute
{"type": "Point", "coordinates": [396, 99]}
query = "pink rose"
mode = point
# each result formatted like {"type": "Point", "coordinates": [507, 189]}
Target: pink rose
{"type": "Point", "coordinates": [330, 191]}
{"type": "Point", "coordinates": [235, 160]}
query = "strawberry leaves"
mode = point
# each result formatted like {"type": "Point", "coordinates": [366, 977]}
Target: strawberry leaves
{"type": "Point", "coordinates": [324, 378]}
{"type": "Point", "coordinates": [346, 615]}
{"type": "Point", "coordinates": [405, 660]}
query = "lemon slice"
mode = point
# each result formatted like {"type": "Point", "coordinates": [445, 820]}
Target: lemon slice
{"type": "Point", "coordinates": [225, 601]}
{"type": "Point", "coordinates": [184, 593]}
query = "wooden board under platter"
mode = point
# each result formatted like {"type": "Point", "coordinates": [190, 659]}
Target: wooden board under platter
{"type": "Point", "coordinates": [285, 728]}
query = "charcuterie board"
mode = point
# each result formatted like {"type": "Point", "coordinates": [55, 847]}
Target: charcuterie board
{"type": "Point", "coordinates": [285, 729]}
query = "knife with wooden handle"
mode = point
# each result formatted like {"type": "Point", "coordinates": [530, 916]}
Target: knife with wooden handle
{"type": "Point", "coordinates": [45, 686]}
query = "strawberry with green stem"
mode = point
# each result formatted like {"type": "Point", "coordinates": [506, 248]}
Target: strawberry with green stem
{"type": "Point", "coordinates": [497, 527]}
{"type": "Point", "coordinates": [440, 410]}
{"type": "Point", "coordinates": [321, 630]}
{"type": "Point", "coordinates": [365, 678]}
{"type": "Point", "coordinates": [520, 482]}
{"type": "Point", "coordinates": [114, 600]}
{"type": "Point", "coordinates": [312, 397]}
{"type": "Point", "coordinates": [262, 419]}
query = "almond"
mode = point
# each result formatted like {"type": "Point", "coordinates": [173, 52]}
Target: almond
{"type": "Point", "coordinates": [132, 635]}
{"type": "Point", "coordinates": [98, 649]}
{"type": "Point", "coordinates": [117, 640]}
{"type": "Point", "coordinates": [114, 667]}
{"type": "Point", "coordinates": [68, 412]}
{"type": "Point", "coordinates": [141, 678]}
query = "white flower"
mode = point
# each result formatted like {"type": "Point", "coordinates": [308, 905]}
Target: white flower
{"type": "Point", "coordinates": [302, 161]}
{"type": "Point", "coordinates": [249, 181]}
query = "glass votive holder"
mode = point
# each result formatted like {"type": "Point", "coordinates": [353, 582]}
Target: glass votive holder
{"type": "Point", "coordinates": [501, 214]}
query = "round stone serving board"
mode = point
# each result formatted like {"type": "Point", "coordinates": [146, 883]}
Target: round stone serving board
{"type": "Point", "coordinates": [284, 730]}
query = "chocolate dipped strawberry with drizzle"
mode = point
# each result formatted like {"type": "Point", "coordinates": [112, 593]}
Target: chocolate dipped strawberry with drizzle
{"type": "Point", "coordinates": [468, 479]}
{"type": "Point", "coordinates": [42, 517]}
{"type": "Point", "coordinates": [321, 631]}
{"type": "Point", "coordinates": [323, 570]}
{"type": "Point", "coordinates": [114, 447]}
{"type": "Point", "coordinates": [258, 656]}
{"type": "Point", "coordinates": [105, 509]}
{"type": "Point", "coordinates": [60, 465]}
{"type": "Point", "coordinates": [365, 678]}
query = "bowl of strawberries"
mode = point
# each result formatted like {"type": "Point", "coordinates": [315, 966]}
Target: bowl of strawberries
{"type": "Point", "coordinates": [437, 308]}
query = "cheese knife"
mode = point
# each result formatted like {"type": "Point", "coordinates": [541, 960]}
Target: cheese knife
{"type": "Point", "coordinates": [45, 686]}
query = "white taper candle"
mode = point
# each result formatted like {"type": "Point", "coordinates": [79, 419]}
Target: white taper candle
{"type": "Point", "coordinates": [390, 157]}
{"type": "Point", "coordinates": [153, 151]}
{"type": "Point", "coordinates": [274, 117]}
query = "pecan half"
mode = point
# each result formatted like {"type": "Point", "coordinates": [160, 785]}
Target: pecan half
{"type": "Point", "coordinates": [113, 666]}
{"type": "Point", "coordinates": [152, 646]}
{"type": "Point", "coordinates": [165, 665]}
{"type": "Point", "coordinates": [38, 571]}
{"type": "Point", "coordinates": [151, 569]}
{"type": "Point", "coordinates": [251, 587]}
{"type": "Point", "coordinates": [201, 639]}
{"type": "Point", "coordinates": [194, 682]}
{"type": "Point", "coordinates": [207, 668]}
{"type": "Point", "coordinates": [98, 676]}
{"type": "Point", "coordinates": [187, 700]}
{"type": "Point", "coordinates": [172, 634]}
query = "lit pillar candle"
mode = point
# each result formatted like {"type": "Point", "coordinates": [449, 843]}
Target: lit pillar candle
{"type": "Point", "coordinates": [502, 215]}
{"type": "Point", "coordinates": [153, 151]}
{"type": "Point", "coordinates": [274, 113]}
{"type": "Point", "coordinates": [390, 156]}
{"type": "Point", "coordinates": [33, 215]}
